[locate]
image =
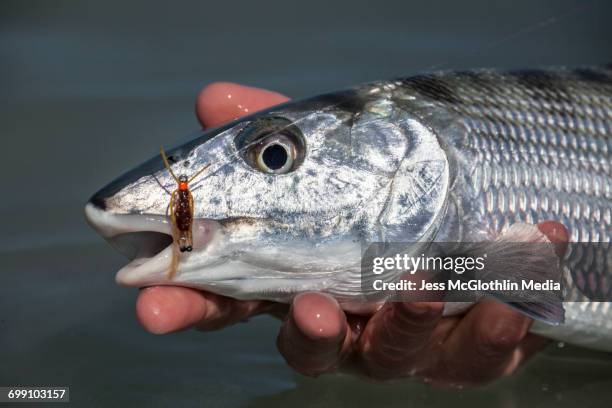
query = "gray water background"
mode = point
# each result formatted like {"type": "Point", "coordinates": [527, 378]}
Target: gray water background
{"type": "Point", "coordinates": [91, 89]}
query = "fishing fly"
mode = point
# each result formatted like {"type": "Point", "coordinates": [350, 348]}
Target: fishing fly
{"type": "Point", "coordinates": [181, 210]}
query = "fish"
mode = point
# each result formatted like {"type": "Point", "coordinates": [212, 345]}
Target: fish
{"type": "Point", "coordinates": [293, 193]}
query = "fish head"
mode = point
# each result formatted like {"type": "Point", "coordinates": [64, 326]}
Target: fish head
{"type": "Point", "coordinates": [288, 199]}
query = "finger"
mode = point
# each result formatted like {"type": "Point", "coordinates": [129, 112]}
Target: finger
{"type": "Point", "coordinates": [531, 344]}
{"type": "Point", "coordinates": [164, 309]}
{"type": "Point", "coordinates": [484, 344]}
{"type": "Point", "coordinates": [223, 311]}
{"type": "Point", "coordinates": [315, 336]}
{"type": "Point", "coordinates": [557, 234]}
{"type": "Point", "coordinates": [395, 337]}
{"type": "Point", "coordinates": [222, 102]}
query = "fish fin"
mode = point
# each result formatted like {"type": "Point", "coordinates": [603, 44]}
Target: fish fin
{"type": "Point", "coordinates": [524, 253]}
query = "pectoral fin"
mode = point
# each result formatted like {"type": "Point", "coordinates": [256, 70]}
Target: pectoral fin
{"type": "Point", "coordinates": [524, 254]}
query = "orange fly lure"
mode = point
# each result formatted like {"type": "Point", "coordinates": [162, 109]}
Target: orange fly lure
{"type": "Point", "coordinates": [181, 210]}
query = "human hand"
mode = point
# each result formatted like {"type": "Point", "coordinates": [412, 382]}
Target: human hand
{"type": "Point", "coordinates": [399, 340]}
{"type": "Point", "coordinates": [412, 339]}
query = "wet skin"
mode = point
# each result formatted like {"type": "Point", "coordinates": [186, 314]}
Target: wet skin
{"type": "Point", "coordinates": [316, 337]}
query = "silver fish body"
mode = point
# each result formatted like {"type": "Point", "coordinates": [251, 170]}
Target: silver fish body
{"type": "Point", "coordinates": [536, 146]}
{"type": "Point", "coordinates": [440, 157]}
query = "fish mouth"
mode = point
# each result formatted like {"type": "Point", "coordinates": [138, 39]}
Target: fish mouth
{"type": "Point", "coordinates": [146, 240]}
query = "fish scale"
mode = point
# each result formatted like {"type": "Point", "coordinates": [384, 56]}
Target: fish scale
{"type": "Point", "coordinates": [539, 142]}
{"type": "Point", "coordinates": [558, 143]}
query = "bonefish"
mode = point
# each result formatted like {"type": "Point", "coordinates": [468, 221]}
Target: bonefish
{"type": "Point", "coordinates": [292, 193]}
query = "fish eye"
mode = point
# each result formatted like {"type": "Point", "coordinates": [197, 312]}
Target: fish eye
{"type": "Point", "coordinates": [271, 145]}
{"type": "Point", "coordinates": [275, 154]}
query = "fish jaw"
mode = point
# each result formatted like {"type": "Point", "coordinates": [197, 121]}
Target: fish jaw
{"type": "Point", "coordinates": [275, 273]}
{"type": "Point", "coordinates": [226, 261]}
{"type": "Point", "coordinates": [147, 240]}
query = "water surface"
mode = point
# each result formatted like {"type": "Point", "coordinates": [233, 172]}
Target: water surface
{"type": "Point", "coordinates": [91, 89]}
